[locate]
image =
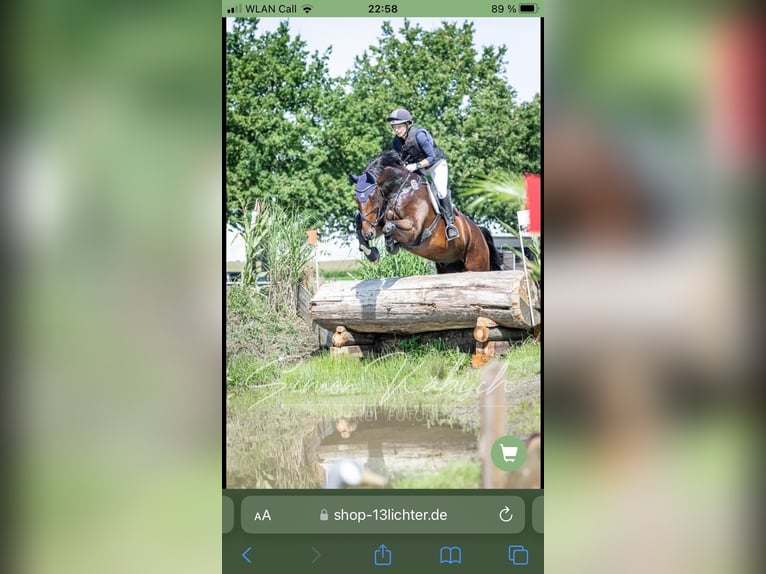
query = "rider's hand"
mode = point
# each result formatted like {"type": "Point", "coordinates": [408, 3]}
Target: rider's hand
{"type": "Point", "coordinates": [412, 167]}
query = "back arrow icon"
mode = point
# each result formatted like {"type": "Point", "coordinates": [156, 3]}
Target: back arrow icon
{"type": "Point", "coordinates": [244, 554]}
{"type": "Point", "coordinates": [318, 555]}
{"type": "Point", "coordinates": [505, 514]}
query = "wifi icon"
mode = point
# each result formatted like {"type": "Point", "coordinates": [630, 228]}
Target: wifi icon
{"type": "Point", "coordinates": [307, 8]}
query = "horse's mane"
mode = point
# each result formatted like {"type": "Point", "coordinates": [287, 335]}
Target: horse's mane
{"type": "Point", "coordinates": [382, 161]}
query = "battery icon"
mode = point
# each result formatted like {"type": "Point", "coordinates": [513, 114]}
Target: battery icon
{"type": "Point", "coordinates": [528, 8]}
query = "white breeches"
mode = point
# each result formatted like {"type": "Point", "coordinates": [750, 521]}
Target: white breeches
{"type": "Point", "coordinates": [439, 172]}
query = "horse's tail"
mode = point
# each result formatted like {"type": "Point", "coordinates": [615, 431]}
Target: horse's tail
{"type": "Point", "coordinates": [495, 259]}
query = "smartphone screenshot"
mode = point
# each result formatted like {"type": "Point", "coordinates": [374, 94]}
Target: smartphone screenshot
{"type": "Point", "coordinates": [383, 389]}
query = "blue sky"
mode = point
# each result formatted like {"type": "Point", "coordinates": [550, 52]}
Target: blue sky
{"type": "Point", "coordinates": [349, 37]}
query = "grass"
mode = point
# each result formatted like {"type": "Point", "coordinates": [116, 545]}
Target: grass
{"type": "Point", "coordinates": [524, 360]}
{"type": "Point", "coordinates": [464, 474]}
{"type": "Point", "coordinates": [338, 275]}
{"type": "Point", "coordinates": [524, 417]}
{"type": "Point", "coordinates": [256, 331]}
{"type": "Point", "coordinates": [398, 377]}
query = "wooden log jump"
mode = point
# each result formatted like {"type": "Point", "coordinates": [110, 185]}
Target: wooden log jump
{"type": "Point", "coordinates": [420, 304]}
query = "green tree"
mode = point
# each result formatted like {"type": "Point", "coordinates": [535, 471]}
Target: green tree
{"type": "Point", "coordinates": [274, 120]}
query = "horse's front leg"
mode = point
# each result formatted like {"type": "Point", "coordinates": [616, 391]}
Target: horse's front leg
{"type": "Point", "coordinates": [391, 245]}
{"type": "Point", "coordinates": [370, 252]}
{"type": "Point", "coordinates": [402, 230]}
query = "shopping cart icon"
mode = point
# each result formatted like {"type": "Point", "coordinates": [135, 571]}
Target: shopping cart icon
{"type": "Point", "coordinates": [509, 453]}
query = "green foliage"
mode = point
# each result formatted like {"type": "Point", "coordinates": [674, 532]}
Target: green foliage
{"type": "Point", "coordinates": [253, 229]}
{"type": "Point", "coordinates": [288, 254]}
{"type": "Point", "coordinates": [413, 345]}
{"type": "Point", "coordinates": [504, 195]}
{"type": "Point", "coordinates": [533, 246]}
{"type": "Point", "coordinates": [403, 264]}
{"type": "Point", "coordinates": [276, 250]}
{"type": "Point", "coordinates": [275, 149]}
{"type": "Point", "coordinates": [499, 195]}
{"type": "Point", "coordinates": [255, 331]}
{"type": "Point", "coordinates": [293, 132]}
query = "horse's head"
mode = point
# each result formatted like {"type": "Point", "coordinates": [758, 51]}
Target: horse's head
{"type": "Point", "coordinates": [369, 201]}
{"type": "Point", "coordinates": [369, 190]}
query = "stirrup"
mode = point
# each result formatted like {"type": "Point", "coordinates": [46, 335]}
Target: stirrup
{"type": "Point", "coordinates": [451, 232]}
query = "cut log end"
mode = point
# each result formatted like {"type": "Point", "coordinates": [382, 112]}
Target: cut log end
{"type": "Point", "coordinates": [345, 338]}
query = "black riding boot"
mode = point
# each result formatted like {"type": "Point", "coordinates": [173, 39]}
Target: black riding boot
{"type": "Point", "coordinates": [448, 213]}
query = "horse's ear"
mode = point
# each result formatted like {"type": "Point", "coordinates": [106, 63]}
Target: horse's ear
{"type": "Point", "coordinates": [352, 178]}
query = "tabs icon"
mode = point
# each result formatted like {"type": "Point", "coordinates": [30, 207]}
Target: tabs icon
{"type": "Point", "coordinates": [518, 555]}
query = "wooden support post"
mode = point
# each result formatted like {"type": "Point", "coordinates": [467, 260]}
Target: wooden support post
{"type": "Point", "coordinates": [502, 347]}
{"type": "Point", "coordinates": [345, 338]}
{"type": "Point", "coordinates": [483, 333]}
{"type": "Point", "coordinates": [350, 351]}
{"type": "Point", "coordinates": [493, 421]}
{"type": "Point", "coordinates": [485, 350]}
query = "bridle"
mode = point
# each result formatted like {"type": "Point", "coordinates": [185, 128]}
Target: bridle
{"type": "Point", "coordinates": [378, 207]}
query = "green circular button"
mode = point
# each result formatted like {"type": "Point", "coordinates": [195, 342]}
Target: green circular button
{"type": "Point", "coordinates": [509, 453]}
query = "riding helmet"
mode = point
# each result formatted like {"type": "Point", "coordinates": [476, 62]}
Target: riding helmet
{"type": "Point", "coordinates": [400, 116]}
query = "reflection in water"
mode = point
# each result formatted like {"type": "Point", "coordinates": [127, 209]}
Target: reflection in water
{"type": "Point", "coordinates": [385, 444]}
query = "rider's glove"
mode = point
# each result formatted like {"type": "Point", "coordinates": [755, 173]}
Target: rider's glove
{"type": "Point", "coordinates": [412, 167]}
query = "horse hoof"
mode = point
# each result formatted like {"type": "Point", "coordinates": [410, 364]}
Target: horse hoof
{"type": "Point", "coordinates": [374, 255]}
{"type": "Point", "coordinates": [388, 228]}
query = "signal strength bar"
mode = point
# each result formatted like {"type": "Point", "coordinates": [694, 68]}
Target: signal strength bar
{"type": "Point", "coordinates": [235, 9]}
{"type": "Point", "coordinates": [307, 8]}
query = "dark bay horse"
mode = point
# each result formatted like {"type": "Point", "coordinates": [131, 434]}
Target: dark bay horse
{"type": "Point", "coordinates": [396, 203]}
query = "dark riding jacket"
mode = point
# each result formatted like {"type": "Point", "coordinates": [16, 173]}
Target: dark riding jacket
{"type": "Point", "coordinates": [417, 146]}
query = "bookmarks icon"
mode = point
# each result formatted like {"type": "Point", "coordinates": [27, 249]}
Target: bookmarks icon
{"type": "Point", "coordinates": [450, 555]}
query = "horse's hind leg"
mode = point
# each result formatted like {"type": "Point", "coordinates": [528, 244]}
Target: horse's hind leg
{"type": "Point", "coordinates": [477, 255]}
{"type": "Point", "coordinates": [455, 267]}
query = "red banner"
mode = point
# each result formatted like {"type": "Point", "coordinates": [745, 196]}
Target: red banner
{"type": "Point", "coordinates": [533, 202]}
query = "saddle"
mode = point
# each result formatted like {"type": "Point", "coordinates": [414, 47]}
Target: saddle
{"type": "Point", "coordinates": [431, 193]}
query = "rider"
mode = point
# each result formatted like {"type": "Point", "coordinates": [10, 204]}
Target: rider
{"type": "Point", "coordinates": [418, 151]}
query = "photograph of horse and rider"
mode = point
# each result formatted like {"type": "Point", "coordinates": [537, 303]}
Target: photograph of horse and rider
{"type": "Point", "coordinates": [397, 203]}
{"type": "Point", "coordinates": [409, 150]}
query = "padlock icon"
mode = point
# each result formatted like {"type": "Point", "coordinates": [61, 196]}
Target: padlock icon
{"type": "Point", "coordinates": [323, 514]}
